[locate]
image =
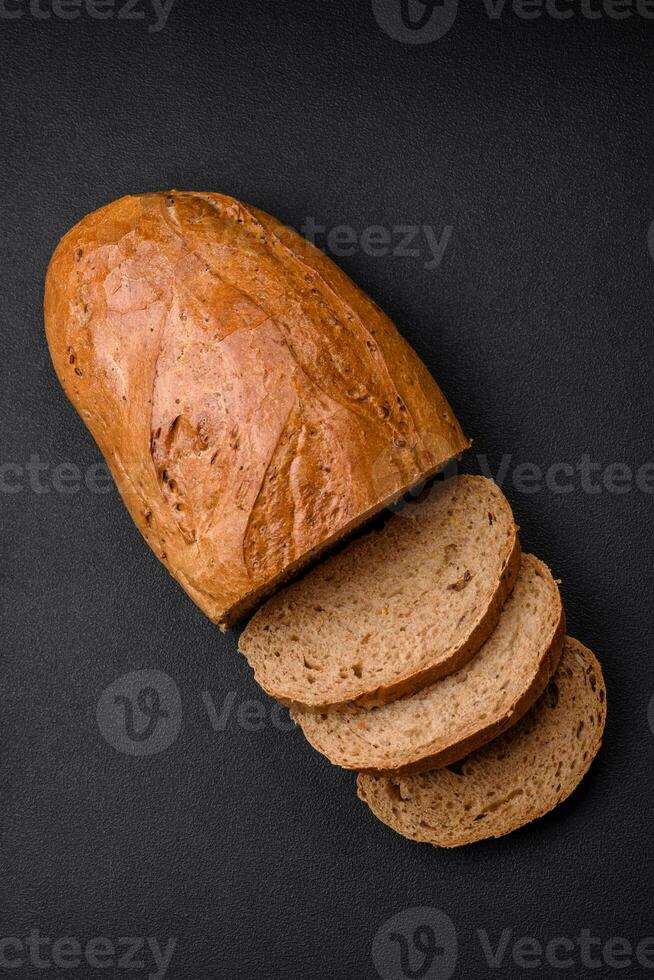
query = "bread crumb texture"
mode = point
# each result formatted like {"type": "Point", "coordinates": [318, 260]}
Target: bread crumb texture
{"type": "Point", "coordinates": [397, 608]}
{"type": "Point", "coordinates": [460, 712]}
{"type": "Point", "coordinates": [512, 780]}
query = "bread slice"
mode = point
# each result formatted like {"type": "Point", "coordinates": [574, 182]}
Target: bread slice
{"type": "Point", "coordinates": [513, 780]}
{"type": "Point", "coordinates": [461, 712]}
{"type": "Point", "coordinates": [397, 609]}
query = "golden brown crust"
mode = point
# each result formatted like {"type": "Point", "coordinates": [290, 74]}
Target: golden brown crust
{"type": "Point", "coordinates": [314, 670]}
{"type": "Point", "coordinates": [252, 403]}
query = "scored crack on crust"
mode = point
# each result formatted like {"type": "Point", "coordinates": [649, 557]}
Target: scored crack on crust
{"type": "Point", "coordinates": [397, 609]}
{"type": "Point", "coordinates": [254, 406]}
{"type": "Point", "coordinates": [446, 721]}
{"type": "Point", "coordinates": [515, 779]}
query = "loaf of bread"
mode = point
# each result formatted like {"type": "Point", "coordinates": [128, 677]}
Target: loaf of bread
{"type": "Point", "coordinates": [397, 609]}
{"type": "Point", "coordinates": [252, 403]}
{"type": "Point", "coordinates": [449, 719]}
{"type": "Point", "coordinates": [255, 407]}
{"type": "Point", "coordinates": [518, 777]}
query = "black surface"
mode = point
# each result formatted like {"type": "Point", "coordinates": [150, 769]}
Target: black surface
{"type": "Point", "coordinates": [533, 140]}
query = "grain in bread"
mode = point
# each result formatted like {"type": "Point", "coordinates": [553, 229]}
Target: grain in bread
{"type": "Point", "coordinates": [397, 609]}
{"type": "Point", "coordinates": [459, 713]}
{"type": "Point", "coordinates": [518, 777]}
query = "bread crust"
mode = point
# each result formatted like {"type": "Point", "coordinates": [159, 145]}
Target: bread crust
{"type": "Point", "coordinates": [253, 404]}
{"type": "Point", "coordinates": [475, 739]}
{"type": "Point", "coordinates": [367, 784]}
{"type": "Point", "coordinates": [460, 657]}
{"type": "Point", "coordinates": [475, 736]}
{"type": "Point", "coordinates": [259, 649]}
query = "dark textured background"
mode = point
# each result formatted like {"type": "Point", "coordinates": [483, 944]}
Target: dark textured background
{"type": "Point", "coordinates": [533, 140]}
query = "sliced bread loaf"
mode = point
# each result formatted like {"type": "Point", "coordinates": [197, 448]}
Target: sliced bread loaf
{"type": "Point", "coordinates": [459, 713]}
{"type": "Point", "coordinates": [253, 404]}
{"type": "Point", "coordinates": [395, 610]}
{"type": "Point", "coordinates": [513, 780]}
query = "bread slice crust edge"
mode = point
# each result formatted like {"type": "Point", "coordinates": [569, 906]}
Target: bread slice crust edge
{"type": "Point", "coordinates": [593, 668]}
{"type": "Point", "coordinates": [474, 737]}
{"type": "Point", "coordinates": [411, 681]}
